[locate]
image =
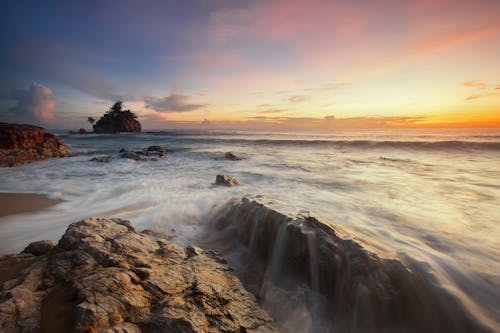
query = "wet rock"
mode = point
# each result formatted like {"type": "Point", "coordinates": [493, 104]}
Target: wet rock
{"type": "Point", "coordinates": [152, 153]}
{"type": "Point", "coordinates": [103, 159]}
{"type": "Point", "coordinates": [231, 156]}
{"type": "Point", "coordinates": [226, 181]}
{"type": "Point", "coordinates": [40, 247]}
{"type": "Point", "coordinates": [125, 281]}
{"type": "Point", "coordinates": [361, 290]}
{"type": "Point", "coordinates": [20, 144]}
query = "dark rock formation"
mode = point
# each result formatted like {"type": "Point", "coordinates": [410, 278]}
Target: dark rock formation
{"type": "Point", "coordinates": [226, 181]}
{"type": "Point", "coordinates": [344, 287]}
{"type": "Point", "coordinates": [117, 120]}
{"type": "Point", "coordinates": [103, 159]}
{"type": "Point", "coordinates": [40, 247]}
{"type": "Point", "coordinates": [20, 144]}
{"type": "Point", "coordinates": [104, 276]}
{"type": "Point", "coordinates": [152, 153]}
{"type": "Point", "coordinates": [231, 156]}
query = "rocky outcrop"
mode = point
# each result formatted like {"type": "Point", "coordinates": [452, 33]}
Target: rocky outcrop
{"type": "Point", "coordinates": [124, 121]}
{"type": "Point", "coordinates": [225, 180]}
{"type": "Point", "coordinates": [20, 144]}
{"type": "Point", "coordinates": [104, 276]}
{"type": "Point", "coordinates": [103, 159]}
{"type": "Point", "coordinates": [230, 156]}
{"type": "Point", "coordinates": [343, 286]}
{"type": "Point", "coordinates": [39, 248]}
{"type": "Point", "coordinates": [152, 153]}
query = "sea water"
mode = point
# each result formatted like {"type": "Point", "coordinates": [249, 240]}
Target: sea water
{"type": "Point", "coordinates": [431, 197]}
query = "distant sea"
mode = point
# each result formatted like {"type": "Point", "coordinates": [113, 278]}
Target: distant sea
{"type": "Point", "coordinates": [428, 196]}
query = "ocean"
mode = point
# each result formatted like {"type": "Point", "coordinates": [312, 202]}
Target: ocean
{"type": "Point", "coordinates": [431, 197]}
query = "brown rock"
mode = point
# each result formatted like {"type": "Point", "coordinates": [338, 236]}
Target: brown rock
{"type": "Point", "coordinates": [303, 258]}
{"type": "Point", "coordinates": [20, 144]}
{"type": "Point", "coordinates": [226, 181]}
{"type": "Point", "coordinates": [231, 156]}
{"type": "Point", "coordinates": [125, 281]}
{"type": "Point", "coordinates": [39, 248]}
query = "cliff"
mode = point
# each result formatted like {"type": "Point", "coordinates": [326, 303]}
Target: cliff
{"type": "Point", "coordinates": [104, 276]}
{"type": "Point", "coordinates": [20, 144]}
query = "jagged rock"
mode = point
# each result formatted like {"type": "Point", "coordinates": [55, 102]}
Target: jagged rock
{"type": "Point", "coordinates": [231, 156]}
{"type": "Point", "coordinates": [103, 159]}
{"type": "Point", "coordinates": [20, 144]}
{"type": "Point", "coordinates": [152, 153]}
{"type": "Point", "coordinates": [40, 247]}
{"type": "Point", "coordinates": [347, 287]}
{"type": "Point", "coordinates": [226, 181]}
{"type": "Point", "coordinates": [118, 280]}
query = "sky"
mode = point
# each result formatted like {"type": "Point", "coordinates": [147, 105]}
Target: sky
{"type": "Point", "coordinates": [243, 64]}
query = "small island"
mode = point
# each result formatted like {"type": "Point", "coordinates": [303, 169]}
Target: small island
{"type": "Point", "coordinates": [117, 120]}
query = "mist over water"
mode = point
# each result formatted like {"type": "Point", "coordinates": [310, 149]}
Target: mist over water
{"type": "Point", "coordinates": [429, 197]}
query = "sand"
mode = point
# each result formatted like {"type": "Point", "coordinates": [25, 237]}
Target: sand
{"type": "Point", "coordinates": [16, 203]}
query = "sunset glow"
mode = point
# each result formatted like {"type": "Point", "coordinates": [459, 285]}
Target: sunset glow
{"type": "Point", "coordinates": [254, 64]}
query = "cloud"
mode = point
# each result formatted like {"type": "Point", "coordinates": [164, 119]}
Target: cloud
{"type": "Point", "coordinates": [297, 98]}
{"type": "Point", "coordinates": [477, 96]}
{"type": "Point", "coordinates": [172, 103]}
{"type": "Point", "coordinates": [271, 111]}
{"type": "Point", "coordinates": [474, 84]}
{"type": "Point", "coordinates": [36, 104]}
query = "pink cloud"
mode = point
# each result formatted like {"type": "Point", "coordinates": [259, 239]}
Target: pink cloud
{"type": "Point", "coordinates": [474, 84]}
{"type": "Point", "coordinates": [36, 104]}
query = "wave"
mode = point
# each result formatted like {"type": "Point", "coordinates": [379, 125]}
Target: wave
{"type": "Point", "coordinates": [355, 144]}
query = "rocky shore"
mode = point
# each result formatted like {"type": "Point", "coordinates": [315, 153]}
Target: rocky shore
{"type": "Point", "coordinates": [21, 144]}
{"type": "Point", "coordinates": [104, 276]}
{"type": "Point", "coordinates": [316, 279]}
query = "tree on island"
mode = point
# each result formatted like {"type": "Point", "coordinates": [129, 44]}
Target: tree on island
{"type": "Point", "coordinates": [117, 120]}
{"type": "Point", "coordinates": [91, 120]}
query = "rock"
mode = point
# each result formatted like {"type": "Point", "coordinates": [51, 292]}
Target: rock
{"type": "Point", "coordinates": [103, 159]}
{"type": "Point", "coordinates": [20, 144]}
{"type": "Point", "coordinates": [119, 280]}
{"type": "Point", "coordinates": [117, 120]}
{"type": "Point", "coordinates": [40, 247]}
{"type": "Point", "coordinates": [82, 131]}
{"type": "Point", "coordinates": [231, 156]}
{"type": "Point", "coordinates": [342, 280]}
{"type": "Point", "coordinates": [152, 153]}
{"type": "Point", "coordinates": [226, 181]}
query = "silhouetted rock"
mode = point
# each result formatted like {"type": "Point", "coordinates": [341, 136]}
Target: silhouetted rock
{"type": "Point", "coordinates": [152, 153]}
{"type": "Point", "coordinates": [226, 181]}
{"type": "Point", "coordinates": [40, 247]}
{"type": "Point", "coordinates": [231, 156]}
{"type": "Point", "coordinates": [114, 279]}
{"type": "Point", "coordinates": [20, 144]}
{"type": "Point", "coordinates": [117, 120]}
{"type": "Point", "coordinates": [103, 159]}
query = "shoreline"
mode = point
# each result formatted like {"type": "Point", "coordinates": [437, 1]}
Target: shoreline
{"type": "Point", "coordinates": [19, 203]}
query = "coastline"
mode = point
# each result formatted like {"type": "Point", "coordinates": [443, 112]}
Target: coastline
{"type": "Point", "coordinates": [18, 203]}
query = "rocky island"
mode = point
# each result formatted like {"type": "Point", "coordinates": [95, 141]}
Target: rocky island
{"type": "Point", "coordinates": [117, 120]}
{"type": "Point", "coordinates": [21, 144]}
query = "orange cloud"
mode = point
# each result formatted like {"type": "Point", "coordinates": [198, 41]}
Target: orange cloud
{"type": "Point", "coordinates": [474, 84]}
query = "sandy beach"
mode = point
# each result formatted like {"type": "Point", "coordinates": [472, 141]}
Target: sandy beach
{"type": "Point", "coordinates": [16, 203]}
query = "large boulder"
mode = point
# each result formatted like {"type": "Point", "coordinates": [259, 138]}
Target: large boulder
{"type": "Point", "coordinates": [297, 264]}
{"type": "Point", "coordinates": [104, 276]}
{"type": "Point", "coordinates": [20, 144]}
